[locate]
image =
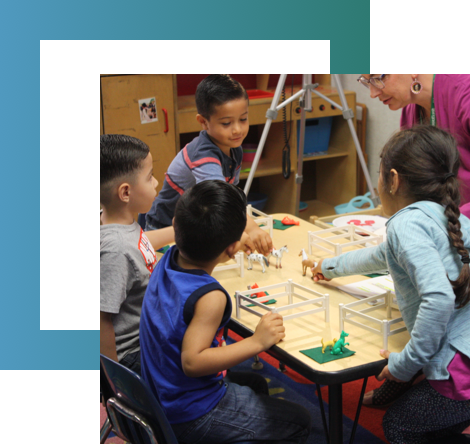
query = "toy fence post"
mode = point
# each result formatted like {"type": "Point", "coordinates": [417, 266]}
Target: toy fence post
{"type": "Point", "coordinates": [260, 218]}
{"type": "Point", "coordinates": [341, 321]}
{"type": "Point", "coordinates": [337, 249]}
{"type": "Point", "coordinates": [289, 290]}
{"type": "Point", "coordinates": [388, 299]}
{"type": "Point", "coordinates": [309, 244]}
{"type": "Point", "coordinates": [385, 332]}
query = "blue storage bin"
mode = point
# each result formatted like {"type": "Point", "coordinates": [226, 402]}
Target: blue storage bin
{"type": "Point", "coordinates": [355, 204]}
{"type": "Point", "coordinates": [257, 200]}
{"type": "Point", "coordinates": [317, 136]}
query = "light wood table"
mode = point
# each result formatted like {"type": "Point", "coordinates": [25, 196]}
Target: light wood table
{"type": "Point", "coordinates": [307, 331]}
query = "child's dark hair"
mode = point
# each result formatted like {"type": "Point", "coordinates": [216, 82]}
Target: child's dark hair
{"type": "Point", "coordinates": [216, 90]}
{"type": "Point", "coordinates": [427, 159]}
{"type": "Point", "coordinates": [208, 218]}
{"type": "Point", "coordinates": [119, 156]}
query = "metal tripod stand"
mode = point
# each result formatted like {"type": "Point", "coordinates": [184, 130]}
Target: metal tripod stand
{"type": "Point", "coordinates": [305, 95]}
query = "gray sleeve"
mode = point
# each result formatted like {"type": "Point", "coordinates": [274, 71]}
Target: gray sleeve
{"type": "Point", "coordinates": [116, 277]}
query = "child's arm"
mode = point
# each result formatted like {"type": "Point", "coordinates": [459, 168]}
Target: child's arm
{"type": "Point", "coordinates": [363, 261]}
{"type": "Point", "coordinates": [160, 238]}
{"type": "Point", "coordinates": [107, 336]}
{"type": "Point", "coordinates": [247, 244]}
{"type": "Point", "coordinates": [261, 238]}
{"type": "Point", "coordinates": [198, 358]}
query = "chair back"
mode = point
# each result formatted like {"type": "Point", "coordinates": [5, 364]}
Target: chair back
{"type": "Point", "coordinates": [133, 409]}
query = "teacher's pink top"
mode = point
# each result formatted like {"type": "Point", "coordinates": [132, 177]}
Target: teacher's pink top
{"type": "Point", "coordinates": [452, 104]}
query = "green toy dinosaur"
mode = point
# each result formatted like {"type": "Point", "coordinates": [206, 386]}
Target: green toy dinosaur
{"type": "Point", "coordinates": [337, 349]}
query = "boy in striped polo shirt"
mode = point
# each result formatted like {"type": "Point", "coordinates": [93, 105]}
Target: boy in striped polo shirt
{"type": "Point", "coordinates": [216, 154]}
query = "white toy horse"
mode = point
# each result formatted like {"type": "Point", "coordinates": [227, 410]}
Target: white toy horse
{"type": "Point", "coordinates": [257, 257]}
{"type": "Point", "coordinates": [306, 262]}
{"type": "Point", "coordinates": [278, 255]}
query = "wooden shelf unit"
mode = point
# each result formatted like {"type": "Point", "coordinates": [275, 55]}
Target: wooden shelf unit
{"type": "Point", "coordinates": [329, 179]}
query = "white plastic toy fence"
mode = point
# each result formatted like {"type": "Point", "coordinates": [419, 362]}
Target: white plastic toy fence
{"type": "Point", "coordinates": [237, 265]}
{"type": "Point", "coordinates": [330, 244]}
{"type": "Point", "coordinates": [287, 289]}
{"type": "Point", "coordinates": [261, 219]}
{"type": "Point", "coordinates": [383, 327]}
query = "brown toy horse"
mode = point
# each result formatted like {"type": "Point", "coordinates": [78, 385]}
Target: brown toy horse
{"type": "Point", "coordinates": [306, 262]}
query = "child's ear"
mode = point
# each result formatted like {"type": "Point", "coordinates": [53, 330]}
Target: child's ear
{"type": "Point", "coordinates": [124, 192]}
{"type": "Point", "coordinates": [233, 249]}
{"type": "Point", "coordinates": [395, 182]}
{"type": "Point", "coordinates": [202, 121]}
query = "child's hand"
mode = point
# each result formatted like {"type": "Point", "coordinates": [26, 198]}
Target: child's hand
{"type": "Point", "coordinates": [247, 244]}
{"type": "Point", "coordinates": [261, 240]}
{"type": "Point", "coordinates": [270, 330]}
{"type": "Point", "coordinates": [385, 373]}
{"type": "Point", "coordinates": [317, 272]}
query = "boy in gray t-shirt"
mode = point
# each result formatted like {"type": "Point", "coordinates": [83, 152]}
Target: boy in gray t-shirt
{"type": "Point", "coordinates": [127, 255]}
{"type": "Point", "coordinates": [124, 278]}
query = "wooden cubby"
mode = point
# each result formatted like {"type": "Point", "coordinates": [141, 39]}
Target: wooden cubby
{"type": "Point", "coordinates": [120, 95]}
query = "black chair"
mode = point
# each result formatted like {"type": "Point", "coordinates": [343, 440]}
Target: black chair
{"type": "Point", "coordinates": [135, 414]}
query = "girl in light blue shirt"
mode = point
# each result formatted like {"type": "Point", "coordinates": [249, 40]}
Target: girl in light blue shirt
{"type": "Point", "coordinates": [427, 254]}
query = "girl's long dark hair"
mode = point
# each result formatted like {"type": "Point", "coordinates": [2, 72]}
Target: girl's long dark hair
{"type": "Point", "coordinates": [427, 160]}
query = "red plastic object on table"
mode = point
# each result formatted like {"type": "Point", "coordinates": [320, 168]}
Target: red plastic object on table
{"type": "Point", "coordinates": [289, 221]}
{"type": "Point", "coordinates": [367, 223]}
{"type": "Point", "coordinates": [259, 294]}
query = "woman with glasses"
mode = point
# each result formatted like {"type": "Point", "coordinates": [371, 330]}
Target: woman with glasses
{"type": "Point", "coordinates": [441, 100]}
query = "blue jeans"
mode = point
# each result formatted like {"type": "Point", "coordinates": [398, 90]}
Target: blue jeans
{"type": "Point", "coordinates": [132, 361]}
{"type": "Point", "coordinates": [243, 415]}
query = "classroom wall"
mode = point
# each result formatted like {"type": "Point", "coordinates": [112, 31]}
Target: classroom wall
{"type": "Point", "coordinates": [381, 122]}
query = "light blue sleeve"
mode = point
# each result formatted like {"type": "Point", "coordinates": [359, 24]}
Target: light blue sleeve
{"type": "Point", "coordinates": [428, 302]}
{"type": "Point", "coordinates": [363, 261]}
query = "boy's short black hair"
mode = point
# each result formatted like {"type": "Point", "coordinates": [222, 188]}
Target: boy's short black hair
{"type": "Point", "coordinates": [216, 90]}
{"type": "Point", "coordinates": [120, 156]}
{"type": "Point", "coordinates": [208, 218]}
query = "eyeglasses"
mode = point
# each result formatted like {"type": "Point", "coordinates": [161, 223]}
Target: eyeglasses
{"type": "Point", "coordinates": [377, 82]}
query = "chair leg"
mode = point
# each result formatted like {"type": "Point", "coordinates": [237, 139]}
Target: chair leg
{"type": "Point", "coordinates": [322, 410]}
{"type": "Point", "coordinates": [105, 431]}
{"type": "Point", "coordinates": [257, 365]}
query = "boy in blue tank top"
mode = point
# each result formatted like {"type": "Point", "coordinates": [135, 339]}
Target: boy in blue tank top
{"type": "Point", "coordinates": [183, 315]}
